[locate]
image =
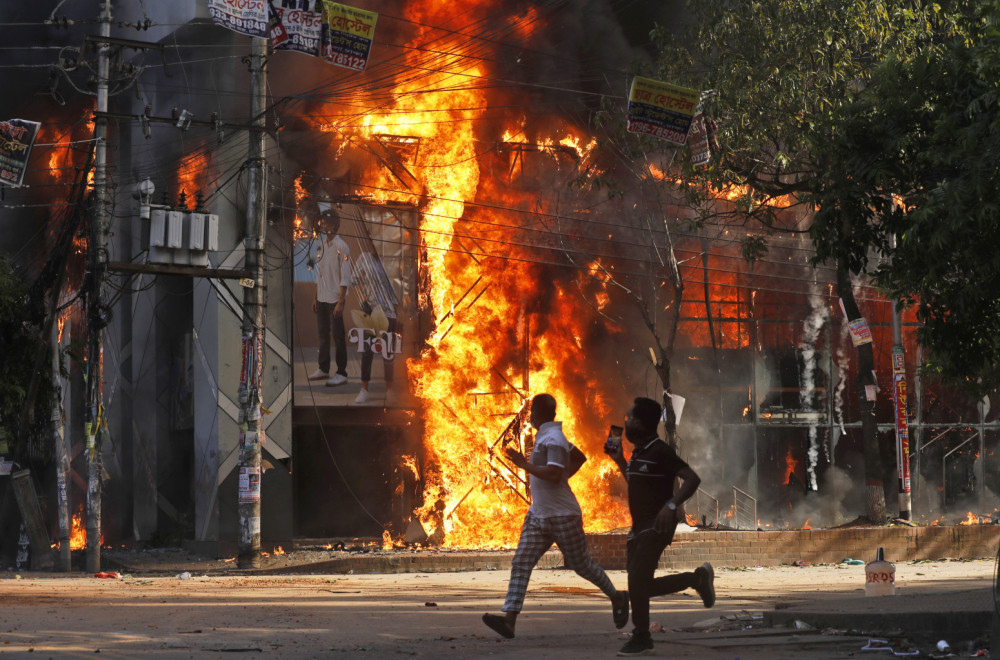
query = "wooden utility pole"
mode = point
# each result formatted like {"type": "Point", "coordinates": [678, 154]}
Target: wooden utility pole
{"type": "Point", "coordinates": [97, 305]}
{"type": "Point", "coordinates": [251, 428]}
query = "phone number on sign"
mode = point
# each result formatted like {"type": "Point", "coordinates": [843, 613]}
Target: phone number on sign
{"type": "Point", "coordinates": [244, 24]}
{"type": "Point", "coordinates": [349, 61]}
{"type": "Point", "coordinates": [678, 137]}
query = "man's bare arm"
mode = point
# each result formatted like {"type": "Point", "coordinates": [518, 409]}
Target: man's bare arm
{"type": "Point", "coordinates": [547, 472]}
{"type": "Point", "coordinates": [667, 517]}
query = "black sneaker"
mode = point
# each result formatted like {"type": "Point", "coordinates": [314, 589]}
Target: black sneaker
{"type": "Point", "coordinates": [638, 645]}
{"type": "Point", "coordinates": [706, 584]}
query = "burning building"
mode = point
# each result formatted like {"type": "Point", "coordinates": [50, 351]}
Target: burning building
{"type": "Point", "coordinates": [517, 256]}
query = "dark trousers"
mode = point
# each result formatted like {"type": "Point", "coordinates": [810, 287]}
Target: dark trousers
{"type": "Point", "coordinates": [369, 355]}
{"type": "Point", "coordinates": [643, 554]}
{"type": "Point", "coordinates": [325, 322]}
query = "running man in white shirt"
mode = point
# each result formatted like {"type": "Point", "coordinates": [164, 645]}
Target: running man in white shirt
{"type": "Point", "coordinates": [554, 517]}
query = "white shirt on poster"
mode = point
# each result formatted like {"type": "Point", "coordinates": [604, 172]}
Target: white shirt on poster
{"type": "Point", "coordinates": [333, 269]}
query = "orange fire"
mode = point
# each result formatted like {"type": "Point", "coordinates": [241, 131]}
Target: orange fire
{"type": "Point", "coordinates": [790, 465]}
{"type": "Point", "coordinates": [971, 519]}
{"type": "Point", "coordinates": [494, 345]}
{"type": "Point", "coordinates": [806, 524]}
{"type": "Point", "coordinates": [78, 533]}
{"type": "Point", "coordinates": [389, 543]}
{"type": "Point", "coordinates": [193, 174]}
{"type": "Point", "coordinates": [300, 194]}
{"type": "Point", "coordinates": [732, 192]}
{"type": "Point", "coordinates": [730, 305]}
{"type": "Point", "coordinates": [279, 551]}
{"type": "Point", "coordinates": [691, 520]}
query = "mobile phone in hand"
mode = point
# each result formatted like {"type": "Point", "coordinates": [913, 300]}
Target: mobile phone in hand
{"type": "Point", "coordinates": [614, 441]}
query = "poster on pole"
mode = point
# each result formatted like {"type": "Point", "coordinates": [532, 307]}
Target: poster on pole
{"type": "Point", "coordinates": [16, 139]}
{"type": "Point", "coordinates": [347, 35]}
{"type": "Point", "coordinates": [701, 153]}
{"type": "Point", "coordinates": [247, 17]}
{"type": "Point", "coordinates": [860, 332]}
{"type": "Point", "coordinates": [661, 109]}
{"type": "Point", "coordinates": [302, 23]}
{"type": "Point", "coordinates": [276, 29]}
{"type": "Point", "coordinates": [902, 428]}
{"type": "Point", "coordinates": [249, 485]}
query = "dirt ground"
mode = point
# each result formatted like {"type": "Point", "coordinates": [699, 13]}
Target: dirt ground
{"type": "Point", "coordinates": [155, 613]}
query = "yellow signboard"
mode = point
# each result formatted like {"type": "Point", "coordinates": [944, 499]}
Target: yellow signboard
{"type": "Point", "coordinates": [661, 109]}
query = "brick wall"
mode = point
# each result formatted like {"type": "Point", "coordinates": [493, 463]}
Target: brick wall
{"type": "Point", "coordinates": [818, 546]}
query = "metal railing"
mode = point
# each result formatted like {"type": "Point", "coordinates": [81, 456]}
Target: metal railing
{"type": "Point", "coordinates": [712, 506]}
{"type": "Point", "coordinates": [744, 510]}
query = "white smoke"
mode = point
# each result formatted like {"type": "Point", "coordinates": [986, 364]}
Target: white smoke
{"type": "Point", "coordinates": [812, 326]}
{"type": "Point", "coordinates": [842, 361]}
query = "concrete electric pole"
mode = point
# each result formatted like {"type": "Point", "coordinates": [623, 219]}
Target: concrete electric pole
{"type": "Point", "coordinates": [97, 305]}
{"type": "Point", "coordinates": [251, 428]}
{"type": "Point", "coordinates": [899, 404]}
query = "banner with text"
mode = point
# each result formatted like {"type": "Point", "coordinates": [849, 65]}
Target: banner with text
{"type": "Point", "coordinates": [347, 35]}
{"type": "Point", "coordinates": [661, 109]}
{"type": "Point", "coordinates": [302, 23]}
{"type": "Point", "coordinates": [247, 17]}
{"type": "Point", "coordinates": [902, 426]}
{"type": "Point", "coordinates": [16, 139]}
{"type": "Point", "coordinates": [275, 28]}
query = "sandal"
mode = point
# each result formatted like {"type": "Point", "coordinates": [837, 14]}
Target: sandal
{"type": "Point", "coordinates": [620, 614]}
{"type": "Point", "coordinates": [499, 625]}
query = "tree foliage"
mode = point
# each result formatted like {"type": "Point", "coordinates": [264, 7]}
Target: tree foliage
{"type": "Point", "coordinates": [789, 78]}
{"type": "Point", "coordinates": [21, 344]}
{"type": "Point", "coordinates": [877, 120]}
{"type": "Point", "coordinates": [918, 148]}
{"type": "Point", "coordinates": [781, 71]}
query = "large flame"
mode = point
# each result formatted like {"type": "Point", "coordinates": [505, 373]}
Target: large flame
{"type": "Point", "coordinates": [495, 343]}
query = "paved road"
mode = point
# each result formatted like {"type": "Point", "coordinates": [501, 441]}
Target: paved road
{"type": "Point", "coordinates": [437, 615]}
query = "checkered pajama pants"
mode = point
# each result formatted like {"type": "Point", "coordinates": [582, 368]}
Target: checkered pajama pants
{"type": "Point", "coordinates": [537, 536]}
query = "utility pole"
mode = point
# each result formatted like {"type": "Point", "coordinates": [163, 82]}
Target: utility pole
{"type": "Point", "coordinates": [97, 307]}
{"type": "Point", "coordinates": [899, 410]}
{"type": "Point", "coordinates": [62, 456]}
{"type": "Point", "coordinates": [251, 428]}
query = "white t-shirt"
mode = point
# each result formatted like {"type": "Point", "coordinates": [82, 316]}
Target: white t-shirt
{"type": "Point", "coordinates": [333, 269]}
{"type": "Point", "coordinates": [551, 498]}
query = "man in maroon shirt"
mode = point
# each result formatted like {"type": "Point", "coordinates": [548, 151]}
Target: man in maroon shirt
{"type": "Point", "coordinates": [652, 503]}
